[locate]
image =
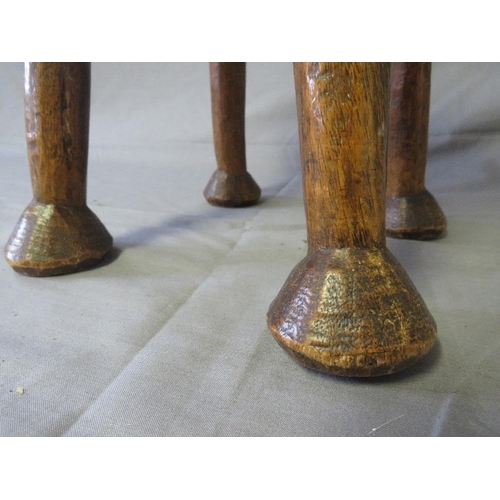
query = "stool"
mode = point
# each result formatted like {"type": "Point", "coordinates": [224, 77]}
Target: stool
{"type": "Point", "coordinates": [348, 308]}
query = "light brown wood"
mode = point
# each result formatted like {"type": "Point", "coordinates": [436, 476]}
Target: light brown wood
{"type": "Point", "coordinates": [230, 185]}
{"type": "Point", "coordinates": [412, 212]}
{"type": "Point", "coordinates": [57, 233]}
{"type": "Point", "coordinates": [348, 308]}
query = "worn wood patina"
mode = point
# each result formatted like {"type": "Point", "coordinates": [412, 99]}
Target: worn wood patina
{"type": "Point", "coordinates": [348, 308]}
{"type": "Point", "coordinates": [412, 212]}
{"type": "Point", "coordinates": [57, 233]}
{"type": "Point", "coordinates": [230, 185]}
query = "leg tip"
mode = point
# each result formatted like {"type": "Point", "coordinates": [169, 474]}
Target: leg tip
{"type": "Point", "coordinates": [230, 190]}
{"type": "Point", "coordinates": [51, 240]}
{"type": "Point", "coordinates": [353, 313]}
{"type": "Point", "coordinates": [415, 217]}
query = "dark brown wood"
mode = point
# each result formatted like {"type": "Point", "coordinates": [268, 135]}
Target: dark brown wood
{"type": "Point", "coordinates": [230, 185]}
{"type": "Point", "coordinates": [348, 308]}
{"type": "Point", "coordinates": [57, 233]}
{"type": "Point", "coordinates": [412, 212]}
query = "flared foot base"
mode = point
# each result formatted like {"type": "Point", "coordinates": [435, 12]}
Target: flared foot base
{"type": "Point", "coordinates": [50, 240]}
{"type": "Point", "coordinates": [231, 190]}
{"type": "Point", "coordinates": [415, 217]}
{"type": "Point", "coordinates": [352, 312]}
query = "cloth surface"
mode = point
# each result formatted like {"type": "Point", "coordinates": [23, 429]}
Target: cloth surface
{"type": "Point", "coordinates": [168, 337]}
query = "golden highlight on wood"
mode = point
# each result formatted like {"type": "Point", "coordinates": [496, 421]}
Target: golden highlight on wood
{"type": "Point", "coordinates": [57, 233]}
{"type": "Point", "coordinates": [348, 308]}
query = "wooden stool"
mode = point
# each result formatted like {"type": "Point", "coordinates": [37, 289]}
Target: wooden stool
{"type": "Point", "coordinates": [348, 308]}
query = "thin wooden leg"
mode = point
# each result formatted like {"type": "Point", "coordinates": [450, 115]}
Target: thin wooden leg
{"type": "Point", "coordinates": [57, 233]}
{"type": "Point", "coordinates": [230, 185]}
{"type": "Point", "coordinates": [348, 308]}
{"type": "Point", "coordinates": [412, 212]}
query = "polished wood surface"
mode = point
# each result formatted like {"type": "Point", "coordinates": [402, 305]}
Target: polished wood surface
{"type": "Point", "coordinates": [412, 212]}
{"type": "Point", "coordinates": [348, 308]}
{"type": "Point", "coordinates": [57, 233]}
{"type": "Point", "coordinates": [230, 185]}
{"type": "Point", "coordinates": [342, 154]}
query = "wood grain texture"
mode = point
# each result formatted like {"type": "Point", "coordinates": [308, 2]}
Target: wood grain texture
{"type": "Point", "coordinates": [342, 153]}
{"type": "Point", "coordinates": [230, 185]}
{"type": "Point", "coordinates": [57, 233]}
{"type": "Point", "coordinates": [412, 212]}
{"type": "Point", "coordinates": [348, 308]}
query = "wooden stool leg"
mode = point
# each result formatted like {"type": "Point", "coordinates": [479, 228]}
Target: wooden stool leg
{"type": "Point", "coordinates": [230, 185]}
{"type": "Point", "coordinates": [348, 308]}
{"type": "Point", "coordinates": [57, 233]}
{"type": "Point", "coordinates": [412, 212]}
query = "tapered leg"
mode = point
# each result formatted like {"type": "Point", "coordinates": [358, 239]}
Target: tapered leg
{"type": "Point", "coordinates": [412, 212]}
{"type": "Point", "coordinates": [57, 233]}
{"type": "Point", "coordinates": [348, 308]}
{"type": "Point", "coordinates": [230, 185]}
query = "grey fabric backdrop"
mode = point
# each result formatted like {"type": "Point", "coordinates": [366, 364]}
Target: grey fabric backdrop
{"type": "Point", "coordinates": [169, 337]}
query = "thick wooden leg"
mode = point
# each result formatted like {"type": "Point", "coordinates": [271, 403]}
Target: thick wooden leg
{"type": "Point", "coordinates": [57, 233]}
{"type": "Point", "coordinates": [348, 308]}
{"type": "Point", "coordinates": [412, 212]}
{"type": "Point", "coordinates": [230, 185]}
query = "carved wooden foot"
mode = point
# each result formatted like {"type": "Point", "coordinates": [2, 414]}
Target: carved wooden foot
{"type": "Point", "coordinates": [57, 233]}
{"type": "Point", "coordinates": [415, 217]}
{"type": "Point", "coordinates": [348, 308]}
{"type": "Point", "coordinates": [231, 185]}
{"type": "Point", "coordinates": [412, 212]}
